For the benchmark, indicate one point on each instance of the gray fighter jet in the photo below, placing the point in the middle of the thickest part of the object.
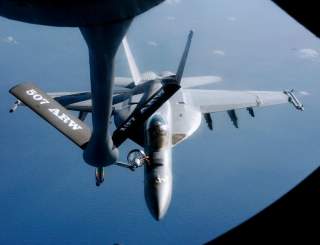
(156, 111)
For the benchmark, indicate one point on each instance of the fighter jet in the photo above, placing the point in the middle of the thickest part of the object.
(156, 111)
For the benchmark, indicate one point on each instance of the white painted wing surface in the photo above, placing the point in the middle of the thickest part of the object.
(135, 73)
(122, 81)
(189, 82)
(208, 101)
(81, 101)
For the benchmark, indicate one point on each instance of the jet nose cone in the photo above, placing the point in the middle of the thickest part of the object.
(160, 206)
(158, 199)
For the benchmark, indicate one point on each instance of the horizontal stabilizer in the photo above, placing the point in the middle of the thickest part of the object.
(53, 112)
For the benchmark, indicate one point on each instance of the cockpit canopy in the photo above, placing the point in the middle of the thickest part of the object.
(157, 132)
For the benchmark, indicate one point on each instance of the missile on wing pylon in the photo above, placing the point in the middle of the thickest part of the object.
(251, 111)
(208, 119)
(233, 116)
(15, 106)
(294, 100)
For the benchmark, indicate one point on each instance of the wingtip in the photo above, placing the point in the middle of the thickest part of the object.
(294, 100)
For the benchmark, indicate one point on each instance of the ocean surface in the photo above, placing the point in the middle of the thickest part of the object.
(221, 178)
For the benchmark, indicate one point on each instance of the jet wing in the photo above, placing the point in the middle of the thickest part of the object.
(119, 88)
(80, 95)
(81, 101)
(189, 82)
(123, 81)
(223, 100)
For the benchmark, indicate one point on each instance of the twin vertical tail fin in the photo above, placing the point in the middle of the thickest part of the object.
(144, 110)
(54, 113)
(135, 73)
(184, 57)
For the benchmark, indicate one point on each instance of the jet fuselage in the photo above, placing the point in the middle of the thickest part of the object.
(157, 137)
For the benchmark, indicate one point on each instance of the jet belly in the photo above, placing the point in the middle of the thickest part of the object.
(158, 170)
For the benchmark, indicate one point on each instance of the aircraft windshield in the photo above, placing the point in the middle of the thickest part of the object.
(158, 133)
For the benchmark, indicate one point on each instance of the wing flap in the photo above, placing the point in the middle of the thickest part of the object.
(53, 112)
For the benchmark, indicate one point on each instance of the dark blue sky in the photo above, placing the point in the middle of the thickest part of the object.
(221, 178)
